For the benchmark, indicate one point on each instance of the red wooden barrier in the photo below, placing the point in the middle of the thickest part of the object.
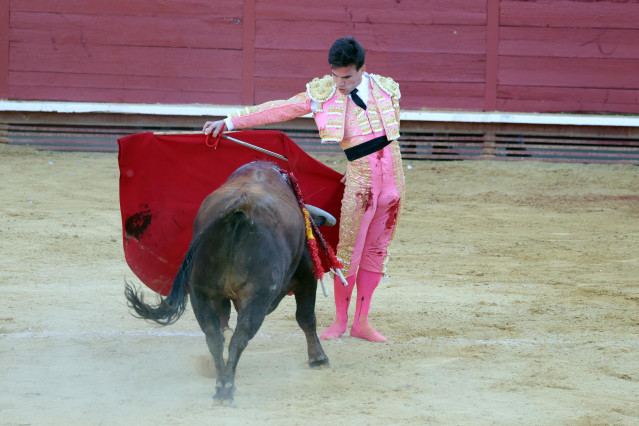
(569, 56)
(4, 49)
(478, 55)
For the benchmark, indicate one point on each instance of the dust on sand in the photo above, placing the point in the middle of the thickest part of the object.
(513, 298)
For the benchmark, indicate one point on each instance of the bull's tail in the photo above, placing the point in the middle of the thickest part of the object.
(168, 310)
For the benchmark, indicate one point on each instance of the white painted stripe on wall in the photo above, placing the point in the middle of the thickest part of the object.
(224, 110)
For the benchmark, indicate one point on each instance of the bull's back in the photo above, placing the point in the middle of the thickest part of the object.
(260, 191)
(251, 228)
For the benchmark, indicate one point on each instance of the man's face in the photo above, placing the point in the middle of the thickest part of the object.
(347, 78)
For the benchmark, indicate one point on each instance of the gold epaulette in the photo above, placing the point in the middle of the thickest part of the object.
(321, 89)
(388, 85)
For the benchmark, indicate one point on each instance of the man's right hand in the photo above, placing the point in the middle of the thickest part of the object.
(213, 127)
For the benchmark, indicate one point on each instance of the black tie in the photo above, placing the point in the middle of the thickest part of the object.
(358, 101)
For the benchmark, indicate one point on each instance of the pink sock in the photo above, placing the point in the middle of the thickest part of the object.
(366, 284)
(342, 300)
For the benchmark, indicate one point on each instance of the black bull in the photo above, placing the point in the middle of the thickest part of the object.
(248, 247)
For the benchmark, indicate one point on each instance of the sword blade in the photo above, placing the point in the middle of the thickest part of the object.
(256, 148)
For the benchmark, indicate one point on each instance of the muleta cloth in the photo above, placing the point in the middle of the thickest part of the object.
(165, 178)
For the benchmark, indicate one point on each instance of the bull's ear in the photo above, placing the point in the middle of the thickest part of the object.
(321, 217)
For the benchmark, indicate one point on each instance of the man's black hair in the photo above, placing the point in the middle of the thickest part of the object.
(346, 51)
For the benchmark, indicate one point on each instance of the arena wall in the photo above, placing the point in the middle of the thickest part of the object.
(471, 55)
(549, 80)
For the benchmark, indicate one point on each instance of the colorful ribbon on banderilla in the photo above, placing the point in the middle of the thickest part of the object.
(314, 238)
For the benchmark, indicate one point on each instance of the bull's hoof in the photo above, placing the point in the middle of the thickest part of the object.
(223, 402)
(224, 394)
(317, 363)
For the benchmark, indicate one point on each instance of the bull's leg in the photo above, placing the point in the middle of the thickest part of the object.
(305, 290)
(207, 313)
(249, 320)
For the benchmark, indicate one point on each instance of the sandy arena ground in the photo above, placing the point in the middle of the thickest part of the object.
(513, 299)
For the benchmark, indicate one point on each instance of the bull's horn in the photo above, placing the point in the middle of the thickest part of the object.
(321, 217)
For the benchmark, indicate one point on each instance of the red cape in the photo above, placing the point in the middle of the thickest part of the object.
(164, 178)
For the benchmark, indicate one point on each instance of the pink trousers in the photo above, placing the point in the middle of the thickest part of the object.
(377, 205)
